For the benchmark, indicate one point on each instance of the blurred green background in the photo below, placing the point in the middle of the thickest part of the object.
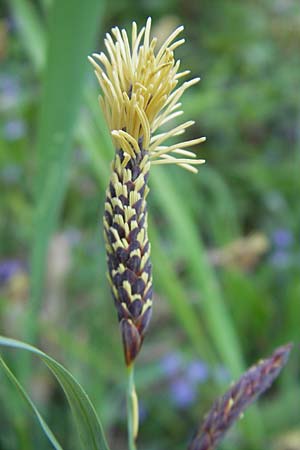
(225, 242)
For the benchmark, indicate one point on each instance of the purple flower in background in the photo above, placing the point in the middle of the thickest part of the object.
(171, 364)
(8, 269)
(8, 85)
(281, 257)
(9, 92)
(182, 393)
(142, 412)
(197, 372)
(14, 130)
(282, 238)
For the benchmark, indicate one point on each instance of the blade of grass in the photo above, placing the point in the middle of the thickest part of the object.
(30, 403)
(222, 219)
(14, 412)
(30, 29)
(71, 33)
(181, 308)
(212, 303)
(86, 419)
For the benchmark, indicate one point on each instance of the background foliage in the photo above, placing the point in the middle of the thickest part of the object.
(225, 242)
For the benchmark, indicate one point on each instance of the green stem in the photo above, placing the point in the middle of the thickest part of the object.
(132, 410)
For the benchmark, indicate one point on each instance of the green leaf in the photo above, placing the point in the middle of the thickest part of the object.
(177, 298)
(28, 400)
(31, 30)
(86, 419)
(72, 29)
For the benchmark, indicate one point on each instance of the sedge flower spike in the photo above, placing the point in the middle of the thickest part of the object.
(231, 406)
(140, 94)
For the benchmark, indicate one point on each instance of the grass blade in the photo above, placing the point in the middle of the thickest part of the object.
(30, 29)
(86, 419)
(30, 403)
(176, 295)
(219, 323)
(64, 74)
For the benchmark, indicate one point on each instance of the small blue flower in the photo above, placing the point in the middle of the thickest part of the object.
(143, 413)
(171, 364)
(8, 269)
(197, 372)
(14, 130)
(183, 393)
(282, 238)
(9, 92)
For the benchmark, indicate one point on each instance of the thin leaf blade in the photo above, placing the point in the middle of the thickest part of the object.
(72, 29)
(87, 422)
(30, 403)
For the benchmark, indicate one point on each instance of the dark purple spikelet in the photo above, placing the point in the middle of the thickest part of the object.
(128, 248)
(227, 409)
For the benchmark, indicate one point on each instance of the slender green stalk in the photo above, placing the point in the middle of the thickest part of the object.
(132, 410)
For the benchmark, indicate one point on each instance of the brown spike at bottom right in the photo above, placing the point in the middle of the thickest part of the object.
(228, 408)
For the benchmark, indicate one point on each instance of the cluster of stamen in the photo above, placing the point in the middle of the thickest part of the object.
(140, 95)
